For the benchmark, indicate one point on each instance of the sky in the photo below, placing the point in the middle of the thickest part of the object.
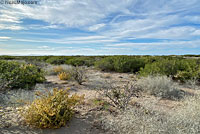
(100, 27)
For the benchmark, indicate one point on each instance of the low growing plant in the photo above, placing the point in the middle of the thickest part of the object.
(64, 76)
(160, 86)
(53, 110)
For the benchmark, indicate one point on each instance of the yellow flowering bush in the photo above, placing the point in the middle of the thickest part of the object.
(53, 110)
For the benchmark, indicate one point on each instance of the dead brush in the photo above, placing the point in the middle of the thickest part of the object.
(119, 96)
(78, 74)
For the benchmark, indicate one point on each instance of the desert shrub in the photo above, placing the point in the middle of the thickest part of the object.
(160, 86)
(119, 96)
(105, 64)
(18, 75)
(6, 57)
(53, 110)
(178, 69)
(122, 64)
(78, 74)
(125, 64)
(81, 61)
(56, 60)
(64, 76)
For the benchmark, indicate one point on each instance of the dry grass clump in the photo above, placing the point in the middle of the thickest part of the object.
(16, 97)
(55, 70)
(160, 86)
(136, 120)
(58, 69)
(64, 76)
(186, 119)
(53, 110)
(193, 84)
(144, 120)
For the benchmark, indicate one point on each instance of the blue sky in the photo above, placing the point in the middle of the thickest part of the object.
(101, 27)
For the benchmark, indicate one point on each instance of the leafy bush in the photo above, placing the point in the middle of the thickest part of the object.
(18, 75)
(160, 86)
(64, 76)
(121, 64)
(178, 69)
(81, 61)
(78, 74)
(56, 60)
(53, 110)
(125, 64)
(106, 64)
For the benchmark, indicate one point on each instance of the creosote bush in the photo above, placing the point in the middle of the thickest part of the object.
(160, 86)
(18, 75)
(53, 110)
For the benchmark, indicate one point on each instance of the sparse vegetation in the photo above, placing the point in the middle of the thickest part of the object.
(142, 94)
(143, 119)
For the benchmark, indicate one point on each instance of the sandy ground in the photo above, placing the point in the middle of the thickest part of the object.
(85, 120)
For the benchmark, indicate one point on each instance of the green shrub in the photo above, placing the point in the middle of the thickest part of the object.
(178, 69)
(122, 64)
(18, 75)
(105, 64)
(81, 61)
(53, 110)
(56, 60)
(125, 64)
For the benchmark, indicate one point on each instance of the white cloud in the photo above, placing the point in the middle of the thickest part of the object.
(5, 37)
(96, 27)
